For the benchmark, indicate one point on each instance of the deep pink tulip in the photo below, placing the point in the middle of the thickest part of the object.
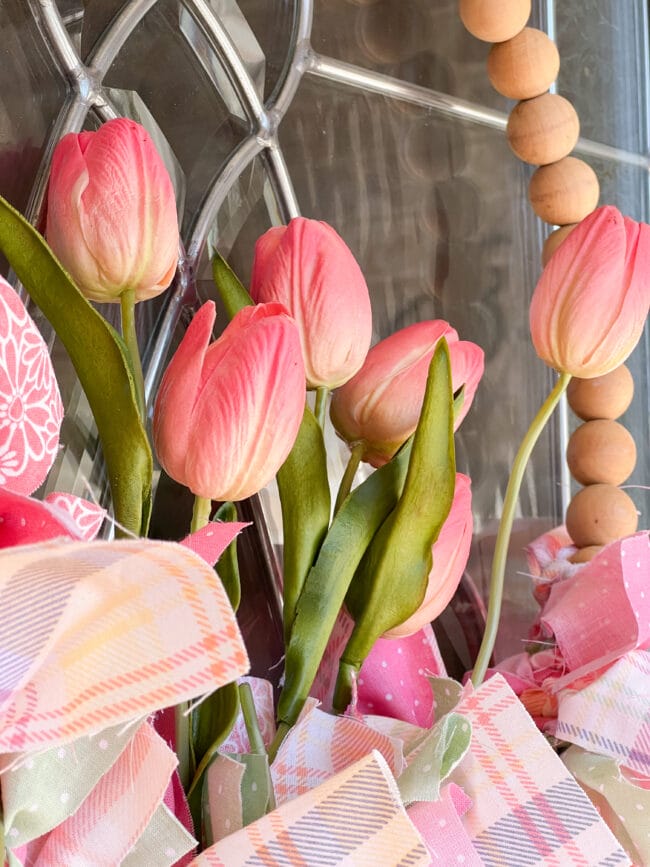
(309, 269)
(111, 212)
(381, 405)
(450, 555)
(227, 413)
(591, 303)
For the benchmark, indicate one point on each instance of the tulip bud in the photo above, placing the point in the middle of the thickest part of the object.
(111, 212)
(591, 302)
(227, 413)
(450, 554)
(309, 269)
(381, 404)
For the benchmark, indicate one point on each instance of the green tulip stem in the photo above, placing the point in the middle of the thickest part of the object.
(320, 406)
(127, 304)
(201, 513)
(505, 527)
(183, 720)
(348, 476)
(250, 719)
(281, 733)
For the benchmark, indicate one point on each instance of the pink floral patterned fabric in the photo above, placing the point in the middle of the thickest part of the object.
(88, 517)
(31, 411)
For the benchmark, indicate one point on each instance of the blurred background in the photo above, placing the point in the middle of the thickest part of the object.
(378, 117)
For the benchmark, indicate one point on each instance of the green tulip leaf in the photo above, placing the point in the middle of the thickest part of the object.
(228, 565)
(305, 500)
(99, 357)
(391, 580)
(212, 722)
(230, 288)
(327, 582)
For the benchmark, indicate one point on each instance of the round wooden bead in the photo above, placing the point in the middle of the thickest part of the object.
(564, 192)
(553, 242)
(601, 451)
(494, 20)
(524, 66)
(605, 396)
(600, 514)
(584, 555)
(543, 130)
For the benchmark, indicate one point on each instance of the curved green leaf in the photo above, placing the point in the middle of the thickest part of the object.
(230, 288)
(100, 360)
(305, 499)
(391, 580)
(228, 564)
(354, 526)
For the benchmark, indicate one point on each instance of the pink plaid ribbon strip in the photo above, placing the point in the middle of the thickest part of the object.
(354, 819)
(528, 810)
(93, 634)
(611, 716)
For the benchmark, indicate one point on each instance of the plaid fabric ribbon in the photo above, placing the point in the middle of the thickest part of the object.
(94, 634)
(528, 810)
(611, 715)
(355, 818)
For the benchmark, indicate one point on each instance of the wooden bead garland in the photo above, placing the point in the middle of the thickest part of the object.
(600, 514)
(607, 396)
(524, 66)
(554, 240)
(564, 192)
(494, 20)
(601, 451)
(542, 130)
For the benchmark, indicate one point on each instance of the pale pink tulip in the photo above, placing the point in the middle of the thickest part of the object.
(450, 555)
(227, 413)
(591, 303)
(380, 406)
(111, 212)
(309, 269)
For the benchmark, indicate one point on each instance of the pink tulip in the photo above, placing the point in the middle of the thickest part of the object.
(450, 555)
(227, 413)
(380, 406)
(590, 305)
(111, 212)
(307, 267)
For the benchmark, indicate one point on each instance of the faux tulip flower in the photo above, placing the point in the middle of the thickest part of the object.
(111, 212)
(228, 412)
(307, 267)
(378, 409)
(450, 554)
(591, 303)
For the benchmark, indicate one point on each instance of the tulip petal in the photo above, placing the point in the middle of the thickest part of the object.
(172, 420)
(591, 302)
(310, 270)
(467, 366)
(381, 404)
(248, 413)
(112, 212)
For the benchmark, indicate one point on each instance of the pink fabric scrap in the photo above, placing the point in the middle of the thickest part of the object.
(439, 823)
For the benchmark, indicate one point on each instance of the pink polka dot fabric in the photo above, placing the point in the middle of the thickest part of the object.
(31, 411)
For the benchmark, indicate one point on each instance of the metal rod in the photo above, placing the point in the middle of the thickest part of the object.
(297, 63)
(374, 82)
(237, 162)
(232, 63)
(118, 31)
(48, 16)
(281, 182)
